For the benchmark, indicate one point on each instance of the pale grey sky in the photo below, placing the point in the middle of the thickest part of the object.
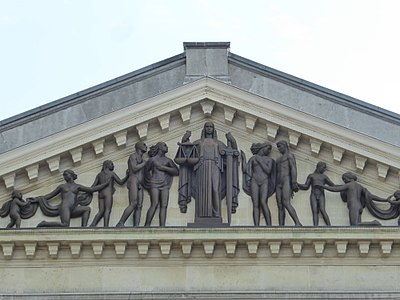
(54, 48)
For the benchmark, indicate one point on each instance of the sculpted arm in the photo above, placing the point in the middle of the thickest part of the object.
(96, 181)
(293, 168)
(134, 166)
(170, 168)
(119, 180)
(92, 189)
(328, 181)
(20, 202)
(336, 188)
(266, 166)
(53, 193)
(306, 185)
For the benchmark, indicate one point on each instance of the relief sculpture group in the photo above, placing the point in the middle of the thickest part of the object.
(208, 172)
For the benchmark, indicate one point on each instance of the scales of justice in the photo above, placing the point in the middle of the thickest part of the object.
(208, 173)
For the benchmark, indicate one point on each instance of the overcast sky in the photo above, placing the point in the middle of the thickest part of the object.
(53, 48)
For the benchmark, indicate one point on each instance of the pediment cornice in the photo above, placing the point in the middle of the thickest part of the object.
(208, 92)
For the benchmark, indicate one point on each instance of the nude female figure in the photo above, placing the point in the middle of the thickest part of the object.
(259, 180)
(70, 206)
(159, 172)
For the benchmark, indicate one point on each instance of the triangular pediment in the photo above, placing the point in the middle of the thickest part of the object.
(250, 118)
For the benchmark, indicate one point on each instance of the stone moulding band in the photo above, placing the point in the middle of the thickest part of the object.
(209, 295)
(176, 242)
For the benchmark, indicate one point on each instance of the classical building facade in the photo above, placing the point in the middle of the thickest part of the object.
(159, 103)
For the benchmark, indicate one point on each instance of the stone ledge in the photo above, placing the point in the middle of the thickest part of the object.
(209, 295)
(272, 242)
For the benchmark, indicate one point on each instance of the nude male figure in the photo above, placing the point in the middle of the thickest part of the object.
(286, 183)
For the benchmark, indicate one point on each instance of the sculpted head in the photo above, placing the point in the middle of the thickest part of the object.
(108, 164)
(348, 177)
(160, 147)
(261, 148)
(321, 167)
(69, 174)
(140, 146)
(209, 130)
(282, 146)
(16, 194)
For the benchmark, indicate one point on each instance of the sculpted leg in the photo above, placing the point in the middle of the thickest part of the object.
(163, 207)
(264, 204)
(107, 211)
(138, 211)
(354, 216)
(132, 194)
(154, 196)
(81, 211)
(65, 217)
(100, 213)
(256, 203)
(314, 209)
(281, 209)
(12, 223)
(323, 211)
(286, 195)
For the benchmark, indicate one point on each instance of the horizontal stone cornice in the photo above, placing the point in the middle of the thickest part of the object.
(179, 241)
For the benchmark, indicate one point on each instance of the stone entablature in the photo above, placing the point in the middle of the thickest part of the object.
(182, 242)
(218, 263)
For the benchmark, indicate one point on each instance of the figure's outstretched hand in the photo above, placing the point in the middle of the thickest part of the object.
(295, 187)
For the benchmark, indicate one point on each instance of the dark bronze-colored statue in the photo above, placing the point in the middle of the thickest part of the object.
(107, 175)
(259, 175)
(136, 165)
(73, 202)
(210, 173)
(395, 207)
(356, 196)
(158, 175)
(186, 157)
(286, 183)
(17, 208)
(385, 214)
(317, 196)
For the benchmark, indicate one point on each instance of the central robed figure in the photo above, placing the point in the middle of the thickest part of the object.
(208, 173)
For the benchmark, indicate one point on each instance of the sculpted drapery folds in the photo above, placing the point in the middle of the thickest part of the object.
(17, 208)
(74, 201)
(205, 177)
(158, 174)
(357, 197)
